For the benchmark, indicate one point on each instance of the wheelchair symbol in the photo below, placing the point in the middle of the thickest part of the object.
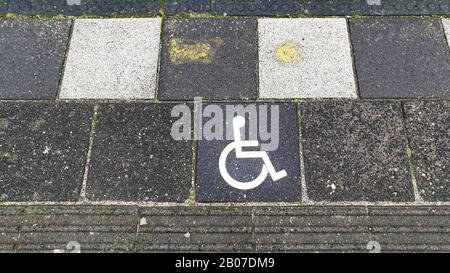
(267, 168)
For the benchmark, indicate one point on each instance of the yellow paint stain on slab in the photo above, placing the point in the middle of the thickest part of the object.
(288, 52)
(183, 51)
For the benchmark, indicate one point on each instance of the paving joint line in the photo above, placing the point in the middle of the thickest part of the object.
(139, 217)
(353, 57)
(193, 15)
(257, 45)
(367, 211)
(82, 197)
(192, 192)
(161, 7)
(192, 199)
(253, 227)
(66, 54)
(235, 101)
(305, 198)
(341, 204)
(19, 231)
(159, 60)
(410, 155)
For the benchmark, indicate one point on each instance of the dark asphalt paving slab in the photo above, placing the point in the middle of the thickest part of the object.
(428, 124)
(401, 57)
(32, 57)
(135, 158)
(355, 151)
(43, 150)
(210, 183)
(210, 58)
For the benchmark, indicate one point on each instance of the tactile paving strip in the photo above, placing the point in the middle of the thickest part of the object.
(290, 229)
(228, 7)
(309, 7)
(80, 7)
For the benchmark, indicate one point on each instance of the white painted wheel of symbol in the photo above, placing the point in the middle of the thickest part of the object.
(374, 2)
(373, 247)
(73, 2)
(230, 180)
(237, 144)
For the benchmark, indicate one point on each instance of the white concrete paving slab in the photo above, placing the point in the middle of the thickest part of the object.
(305, 58)
(446, 23)
(112, 59)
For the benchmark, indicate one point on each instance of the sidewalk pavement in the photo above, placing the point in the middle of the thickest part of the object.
(365, 116)
(86, 117)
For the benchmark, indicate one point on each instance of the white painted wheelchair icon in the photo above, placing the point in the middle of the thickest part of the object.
(267, 168)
